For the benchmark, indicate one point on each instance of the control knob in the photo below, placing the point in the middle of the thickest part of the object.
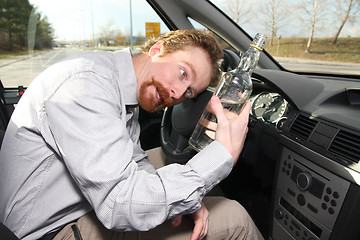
(304, 180)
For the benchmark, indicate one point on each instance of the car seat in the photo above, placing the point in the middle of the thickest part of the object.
(3, 117)
(6, 233)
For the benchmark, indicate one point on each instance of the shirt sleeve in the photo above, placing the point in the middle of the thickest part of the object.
(88, 126)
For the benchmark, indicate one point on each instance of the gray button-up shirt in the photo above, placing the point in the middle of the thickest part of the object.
(71, 147)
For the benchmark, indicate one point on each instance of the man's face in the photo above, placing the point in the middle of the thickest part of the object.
(174, 77)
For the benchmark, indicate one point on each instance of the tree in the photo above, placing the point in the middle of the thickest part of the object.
(17, 16)
(275, 12)
(348, 6)
(315, 13)
(108, 33)
(44, 34)
(308, 46)
(239, 10)
(13, 21)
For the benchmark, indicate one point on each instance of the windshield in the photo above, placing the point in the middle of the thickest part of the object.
(304, 35)
(35, 34)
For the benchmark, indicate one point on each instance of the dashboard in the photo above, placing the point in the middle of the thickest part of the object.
(314, 123)
(314, 114)
(315, 111)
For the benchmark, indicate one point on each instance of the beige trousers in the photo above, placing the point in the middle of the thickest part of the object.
(227, 220)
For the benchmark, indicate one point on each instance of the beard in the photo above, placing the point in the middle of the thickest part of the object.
(152, 104)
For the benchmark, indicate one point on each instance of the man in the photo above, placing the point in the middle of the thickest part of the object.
(71, 162)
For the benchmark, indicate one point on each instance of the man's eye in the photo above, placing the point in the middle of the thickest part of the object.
(189, 93)
(183, 73)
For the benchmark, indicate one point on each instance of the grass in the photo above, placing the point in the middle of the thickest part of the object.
(7, 54)
(345, 50)
(15, 52)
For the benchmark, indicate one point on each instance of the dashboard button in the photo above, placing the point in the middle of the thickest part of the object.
(279, 214)
(301, 200)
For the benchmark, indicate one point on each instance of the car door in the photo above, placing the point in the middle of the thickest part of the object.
(8, 99)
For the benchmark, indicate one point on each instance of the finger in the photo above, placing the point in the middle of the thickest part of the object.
(206, 228)
(245, 112)
(217, 109)
(246, 109)
(176, 221)
(210, 134)
(197, 231)
(206, 222)
(243, 119)
(203, 230)
(208, 124)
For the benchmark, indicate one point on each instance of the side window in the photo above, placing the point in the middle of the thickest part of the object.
(199, 26)
(224, 65)
(44, 32)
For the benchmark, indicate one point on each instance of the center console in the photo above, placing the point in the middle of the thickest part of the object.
(307, 199)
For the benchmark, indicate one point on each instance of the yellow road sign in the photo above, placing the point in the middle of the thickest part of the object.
(152, 29)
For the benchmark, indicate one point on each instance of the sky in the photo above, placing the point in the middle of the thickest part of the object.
(79, 19)
(76, 19)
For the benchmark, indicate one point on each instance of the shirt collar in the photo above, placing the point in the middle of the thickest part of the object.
(127, 78)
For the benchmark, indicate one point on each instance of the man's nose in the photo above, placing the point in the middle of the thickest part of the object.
(177, 92)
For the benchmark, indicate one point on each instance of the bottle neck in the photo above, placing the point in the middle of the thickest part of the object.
(250, 59)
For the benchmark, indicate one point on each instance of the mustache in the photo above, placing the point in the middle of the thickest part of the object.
(153, 105)
(163, 93)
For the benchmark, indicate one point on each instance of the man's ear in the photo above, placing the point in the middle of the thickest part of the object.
(156, 49)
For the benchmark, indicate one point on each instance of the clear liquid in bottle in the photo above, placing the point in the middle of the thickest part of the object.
(233, 91)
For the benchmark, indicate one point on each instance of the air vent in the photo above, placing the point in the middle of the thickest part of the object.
(346, 144)
(303, 126)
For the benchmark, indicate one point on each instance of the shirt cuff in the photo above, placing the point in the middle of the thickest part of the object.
(213, 164)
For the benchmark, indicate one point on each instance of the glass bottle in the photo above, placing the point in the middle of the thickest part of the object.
(233, 91)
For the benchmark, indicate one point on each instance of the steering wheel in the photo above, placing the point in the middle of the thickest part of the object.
(179, 121)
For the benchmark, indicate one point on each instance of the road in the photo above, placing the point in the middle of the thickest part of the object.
(22, 70)
(319, 66)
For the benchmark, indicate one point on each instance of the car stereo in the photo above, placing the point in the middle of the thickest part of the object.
(308, 199)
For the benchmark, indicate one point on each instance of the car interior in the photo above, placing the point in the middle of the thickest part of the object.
(5, 114)
(298, 175)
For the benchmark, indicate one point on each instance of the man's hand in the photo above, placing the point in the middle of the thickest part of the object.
(231, 133)
(201, 221)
